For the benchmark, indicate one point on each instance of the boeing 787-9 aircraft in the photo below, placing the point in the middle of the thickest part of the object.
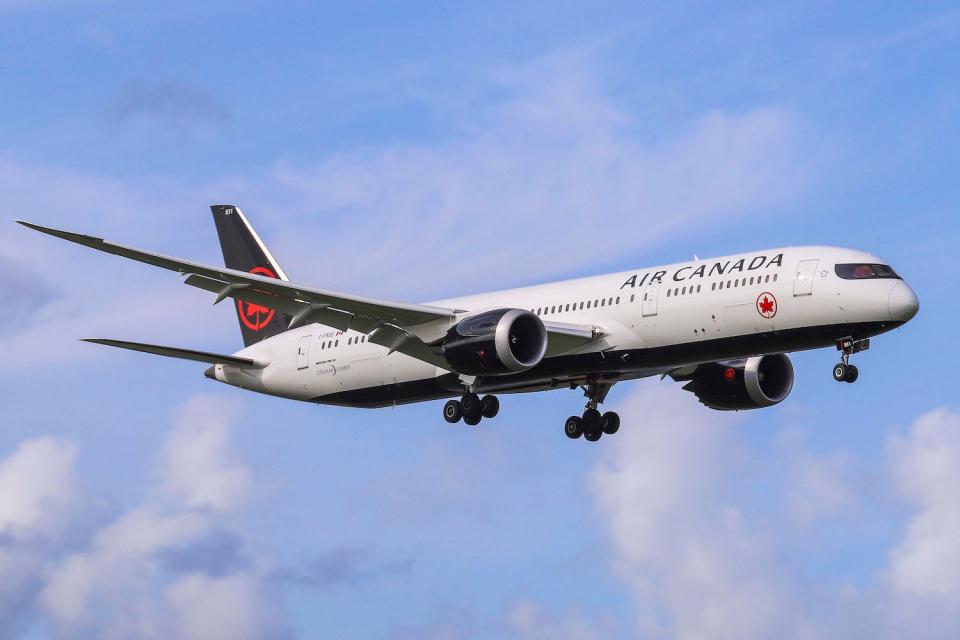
(721, 325)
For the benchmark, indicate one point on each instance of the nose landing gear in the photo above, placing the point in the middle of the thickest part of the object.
(843, 371)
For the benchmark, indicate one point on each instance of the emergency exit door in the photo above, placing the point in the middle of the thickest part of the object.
(803, 280)
(650, 295)
(303, 353)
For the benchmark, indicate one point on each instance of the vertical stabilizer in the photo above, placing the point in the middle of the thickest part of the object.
(245, 251)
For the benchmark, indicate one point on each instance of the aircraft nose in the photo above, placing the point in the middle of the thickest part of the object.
(902, 303)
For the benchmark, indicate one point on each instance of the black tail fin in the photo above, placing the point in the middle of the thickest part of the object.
(244, 250)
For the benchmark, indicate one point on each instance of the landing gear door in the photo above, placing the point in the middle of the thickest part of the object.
(650, 295)
(303, 353)
(803, 279)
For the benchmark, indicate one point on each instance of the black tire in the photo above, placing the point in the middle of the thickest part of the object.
(610, 423)
(840, 372)
(489, 406)
(452, 411)
(592, 437)
(573, 427)
(592, 422)
(852, 373)
(470, 404)
(471, 420)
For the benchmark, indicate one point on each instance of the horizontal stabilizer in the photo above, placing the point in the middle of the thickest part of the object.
(184, 354)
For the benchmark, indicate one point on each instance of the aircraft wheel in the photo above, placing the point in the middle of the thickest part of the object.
(573, 427)
(840, 372)
(593, 436)
(592, 424)
(610, 423)
(472, 420)
(852, 373)
(470, 404)
(489, 406)
(452, 411)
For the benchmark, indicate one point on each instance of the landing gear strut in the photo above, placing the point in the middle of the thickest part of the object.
(592, 424)
(471, 408)
(843, 371)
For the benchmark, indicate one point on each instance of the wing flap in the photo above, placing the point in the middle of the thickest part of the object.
(183, 354)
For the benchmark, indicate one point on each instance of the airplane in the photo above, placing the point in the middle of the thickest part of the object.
(722, 326)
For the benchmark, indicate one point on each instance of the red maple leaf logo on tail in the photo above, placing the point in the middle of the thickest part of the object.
(256, 316)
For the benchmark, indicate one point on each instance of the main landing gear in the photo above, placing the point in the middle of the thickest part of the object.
(471, 408)
(592, 424)
(843, 371)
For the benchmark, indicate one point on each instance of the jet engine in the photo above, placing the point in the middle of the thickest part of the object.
(498, 342)
(750, 383)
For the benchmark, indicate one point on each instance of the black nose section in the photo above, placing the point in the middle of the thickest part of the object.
(210, 372)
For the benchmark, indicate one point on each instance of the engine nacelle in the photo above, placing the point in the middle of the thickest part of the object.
(750, 383)
(496, 342)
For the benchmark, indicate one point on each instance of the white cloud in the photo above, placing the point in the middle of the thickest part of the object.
(122, 583)
(38, 489)
(40, 504)
(926, 471)
(695, 565)
(230, 607)
(198, 467)
(818, 486)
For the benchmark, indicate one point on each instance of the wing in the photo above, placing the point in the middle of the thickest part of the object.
(399, 326)
(565, 337)
(406, 328)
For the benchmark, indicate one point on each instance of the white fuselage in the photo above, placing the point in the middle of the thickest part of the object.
(653, 320)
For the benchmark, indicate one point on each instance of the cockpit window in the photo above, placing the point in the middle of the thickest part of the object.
(865, 271)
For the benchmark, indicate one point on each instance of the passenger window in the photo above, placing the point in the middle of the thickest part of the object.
(668, 294)
(596, 303)
(774, 277)
(683, 291)
(736, 283)
(603, 303)
(581, 305)
(713, 286)
(632, 297)
(618, 299)
(698, 288)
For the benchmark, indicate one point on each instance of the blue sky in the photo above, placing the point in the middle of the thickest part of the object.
(418, 152)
